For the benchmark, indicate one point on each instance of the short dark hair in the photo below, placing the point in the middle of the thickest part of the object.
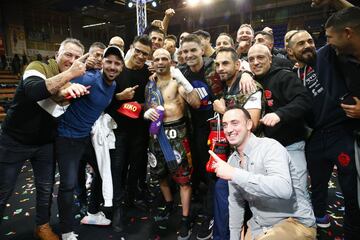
(151, 29)
(143, 39)
(191, 38)
(266, 34)
(97, 44)
(172, 37)
(238, 106)
(228, 35)
(202, 33)
(348, 17)
(232, 51)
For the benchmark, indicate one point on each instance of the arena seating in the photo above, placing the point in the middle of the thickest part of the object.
(8, 84)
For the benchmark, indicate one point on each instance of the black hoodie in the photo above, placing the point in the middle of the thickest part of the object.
(288, 98)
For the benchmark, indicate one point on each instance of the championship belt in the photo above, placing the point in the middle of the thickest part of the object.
(153, 99)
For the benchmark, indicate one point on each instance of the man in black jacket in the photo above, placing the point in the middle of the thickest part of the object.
(129, 155)
(29, 128)
(287, 102)
(331, 141)
(200, 72)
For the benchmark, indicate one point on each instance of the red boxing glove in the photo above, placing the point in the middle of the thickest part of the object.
(221, 149)
(213, 135)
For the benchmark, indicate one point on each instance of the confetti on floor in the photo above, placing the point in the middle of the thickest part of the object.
(19, 218)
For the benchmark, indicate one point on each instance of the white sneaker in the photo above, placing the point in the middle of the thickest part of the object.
(89, 179)
(96, 219)
(69, 236)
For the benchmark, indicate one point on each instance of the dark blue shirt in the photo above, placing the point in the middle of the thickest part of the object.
(82, 113)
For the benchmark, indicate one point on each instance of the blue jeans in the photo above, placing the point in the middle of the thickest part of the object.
(221, 210)
(12, 157)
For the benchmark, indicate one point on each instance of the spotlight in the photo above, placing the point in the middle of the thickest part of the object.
(193, 2)
(154, 4)
(129, 3)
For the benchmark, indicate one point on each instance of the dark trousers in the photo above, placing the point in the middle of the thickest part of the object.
(324, 149)
(96, 197)
(128, 158)
(200, 156)
(80, 189)
(12, 157)
(69, 152)
(221, 210)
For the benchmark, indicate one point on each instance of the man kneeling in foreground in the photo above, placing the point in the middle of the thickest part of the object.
(260, 172)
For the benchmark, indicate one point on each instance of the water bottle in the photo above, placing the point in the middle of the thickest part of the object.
(155, 126)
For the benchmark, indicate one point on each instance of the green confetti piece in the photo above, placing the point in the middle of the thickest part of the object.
(17, 211)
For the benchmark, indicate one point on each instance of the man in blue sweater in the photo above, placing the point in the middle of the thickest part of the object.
(74, 130)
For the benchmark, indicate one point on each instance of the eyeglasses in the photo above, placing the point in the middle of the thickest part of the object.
(138, 52)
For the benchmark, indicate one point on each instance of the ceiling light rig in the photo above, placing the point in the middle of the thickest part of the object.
(140, 6)
(194, 3)
(132, 3)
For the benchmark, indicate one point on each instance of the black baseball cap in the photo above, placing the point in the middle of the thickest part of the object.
(115, 51)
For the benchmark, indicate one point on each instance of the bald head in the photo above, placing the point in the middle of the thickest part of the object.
(260, 59)
(117, 41)
(257, 48)
(161, 62)
(162, 51)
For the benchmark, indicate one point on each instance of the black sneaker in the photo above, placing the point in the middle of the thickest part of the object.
(206, 229)
(185, 229)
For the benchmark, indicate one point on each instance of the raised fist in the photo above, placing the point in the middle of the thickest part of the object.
(170, 12)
